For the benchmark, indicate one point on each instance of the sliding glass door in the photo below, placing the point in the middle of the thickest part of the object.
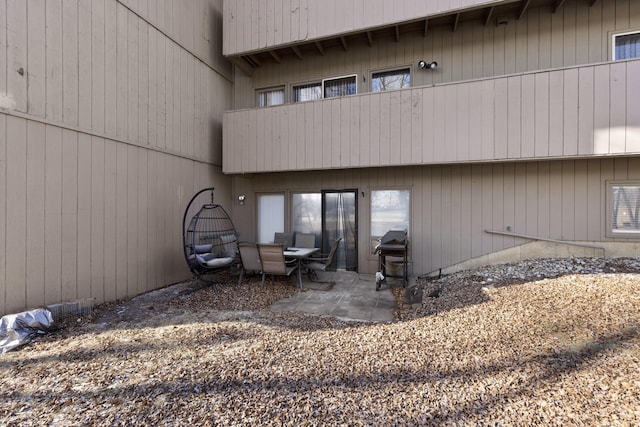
(339, 219)
(329, 215)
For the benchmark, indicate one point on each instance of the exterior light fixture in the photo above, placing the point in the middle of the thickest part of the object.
(427, 65)
(241, 199)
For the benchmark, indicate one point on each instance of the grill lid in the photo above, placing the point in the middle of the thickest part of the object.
(393, 240)
(394, 237)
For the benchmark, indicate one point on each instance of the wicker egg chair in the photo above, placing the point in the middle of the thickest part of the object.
(210, 238)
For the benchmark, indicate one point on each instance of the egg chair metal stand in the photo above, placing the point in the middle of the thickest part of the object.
(210, 238)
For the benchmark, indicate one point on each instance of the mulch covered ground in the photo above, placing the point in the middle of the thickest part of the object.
(545, 351)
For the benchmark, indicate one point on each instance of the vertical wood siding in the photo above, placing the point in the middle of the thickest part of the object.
(99, 67)
(291, 21)
(524, 116)
(86, 216)
(453, 205)
(576, 34)
(195, 25)
(113, 125)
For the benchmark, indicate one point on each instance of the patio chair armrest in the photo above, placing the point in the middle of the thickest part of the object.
(315, 259)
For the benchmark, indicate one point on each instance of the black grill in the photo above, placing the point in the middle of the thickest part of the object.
(393, 244)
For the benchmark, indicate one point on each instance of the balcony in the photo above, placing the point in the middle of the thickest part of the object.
(255, 33)
(571, 112)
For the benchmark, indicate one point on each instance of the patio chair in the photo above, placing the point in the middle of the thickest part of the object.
(313, 265)
(284, 239)
(305, 240)
(249, 260)
(273, 262)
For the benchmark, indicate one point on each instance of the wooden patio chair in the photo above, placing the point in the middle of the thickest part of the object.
(272, 261)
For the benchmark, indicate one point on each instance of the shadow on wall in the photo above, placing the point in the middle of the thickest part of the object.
(213, 22)
(215, 143)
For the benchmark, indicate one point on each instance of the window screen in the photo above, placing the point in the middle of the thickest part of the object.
(307, 92)
(626, 46)
(339, 87)
(267, 97)
(624, 209)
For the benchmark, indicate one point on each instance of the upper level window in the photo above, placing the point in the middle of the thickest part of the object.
(626, 46)
(390, 80)
(307, 92)
(623, 209)
(339, 87)
(271, 96)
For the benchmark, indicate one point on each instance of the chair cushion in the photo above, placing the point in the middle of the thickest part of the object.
(204, 258)
(229, 253)
(211, 261)
(202, 249)
(219, 262)
(228, 242)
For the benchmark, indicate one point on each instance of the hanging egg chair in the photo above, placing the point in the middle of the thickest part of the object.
(210, 239)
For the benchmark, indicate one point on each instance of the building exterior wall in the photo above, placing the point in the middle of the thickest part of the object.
(518, 129)
(541, 86)
(283, 22)
(581, 111)
(452, 206)
(576, 34)
(110, 119)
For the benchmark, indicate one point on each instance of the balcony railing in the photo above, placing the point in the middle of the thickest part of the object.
(563, 113)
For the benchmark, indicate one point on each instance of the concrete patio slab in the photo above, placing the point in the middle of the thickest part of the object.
(342, 294)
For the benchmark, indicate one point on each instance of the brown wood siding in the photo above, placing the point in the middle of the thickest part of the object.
(195, 25)
(284, 22)
(112, 239)
(86, 216)
(453, 205)
(114, 124)
(576, 34)
(528, 116)
(121, 78)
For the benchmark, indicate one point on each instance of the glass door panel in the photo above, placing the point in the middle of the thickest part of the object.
(339, 219)
(306, 214)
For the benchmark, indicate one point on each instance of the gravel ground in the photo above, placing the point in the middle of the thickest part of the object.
(545, 342)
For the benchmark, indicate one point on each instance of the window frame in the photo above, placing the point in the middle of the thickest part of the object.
(611, 233)
(268, 236)
(612, 45)
(355, 79)
(373, 241)
(389, 70)
(293, 87)
(258, 91)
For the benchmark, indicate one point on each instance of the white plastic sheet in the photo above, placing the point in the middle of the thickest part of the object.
(18, 329)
